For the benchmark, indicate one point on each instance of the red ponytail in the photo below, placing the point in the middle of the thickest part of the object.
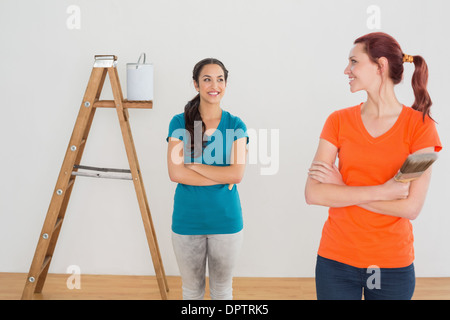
(379, 44)
(419, 83)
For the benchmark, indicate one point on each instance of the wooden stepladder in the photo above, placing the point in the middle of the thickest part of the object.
(70, 169)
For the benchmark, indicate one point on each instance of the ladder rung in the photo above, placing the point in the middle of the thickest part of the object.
(102, 169)
(125, 104)
(107, 173)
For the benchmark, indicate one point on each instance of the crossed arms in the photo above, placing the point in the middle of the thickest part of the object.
(205, 175)
(325, 187)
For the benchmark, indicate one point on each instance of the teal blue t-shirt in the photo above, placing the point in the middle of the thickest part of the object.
(208, 209)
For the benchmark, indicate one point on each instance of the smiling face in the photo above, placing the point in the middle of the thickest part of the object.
(211, 84)
(363, 73)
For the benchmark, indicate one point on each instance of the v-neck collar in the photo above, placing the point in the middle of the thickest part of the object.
(384, 135)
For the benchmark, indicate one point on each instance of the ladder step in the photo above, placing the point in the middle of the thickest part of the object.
(102, 169)
(103, 175)
(125, 104)
(107, 173)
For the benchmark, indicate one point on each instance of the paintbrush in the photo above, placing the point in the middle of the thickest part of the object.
(415, 165)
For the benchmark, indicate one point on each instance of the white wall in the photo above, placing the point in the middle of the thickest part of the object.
(286, 60)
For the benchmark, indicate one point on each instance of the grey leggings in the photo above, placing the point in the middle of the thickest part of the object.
(192, 252)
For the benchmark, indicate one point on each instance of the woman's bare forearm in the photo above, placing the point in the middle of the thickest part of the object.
(334, 195)
(190, 177)
(222, 174)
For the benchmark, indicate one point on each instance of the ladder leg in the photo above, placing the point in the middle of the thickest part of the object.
(138, 183)
(153, 233)
(61, 195)
(53, 238)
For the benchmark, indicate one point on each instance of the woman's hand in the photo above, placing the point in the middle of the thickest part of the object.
(325, 173)
(395, 190)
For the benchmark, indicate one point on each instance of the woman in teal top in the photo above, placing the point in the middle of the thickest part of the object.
(206, 157)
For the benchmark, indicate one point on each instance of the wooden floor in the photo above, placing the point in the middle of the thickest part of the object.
(115, 287)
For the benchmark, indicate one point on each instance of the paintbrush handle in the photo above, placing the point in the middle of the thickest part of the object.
(407, 177)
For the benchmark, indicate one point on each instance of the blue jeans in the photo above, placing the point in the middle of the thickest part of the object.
(340, 281)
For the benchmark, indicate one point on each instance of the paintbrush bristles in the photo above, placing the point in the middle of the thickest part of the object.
(414, 166)
(418, 162)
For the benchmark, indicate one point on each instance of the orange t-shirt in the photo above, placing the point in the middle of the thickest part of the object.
(353, 235)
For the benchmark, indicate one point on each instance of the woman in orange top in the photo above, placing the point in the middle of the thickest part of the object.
(367, 240)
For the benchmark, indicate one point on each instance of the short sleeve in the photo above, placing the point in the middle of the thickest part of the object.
(425, 135)
(240, 130)
(330, 130)
(177, 128)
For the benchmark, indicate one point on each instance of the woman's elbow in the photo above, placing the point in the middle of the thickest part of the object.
(236, 179)
(414, 212)
(413, 216)
(309, 197)
(173, 176)
(412, 209)
(237, 175)
(310, 193)
(311, 201)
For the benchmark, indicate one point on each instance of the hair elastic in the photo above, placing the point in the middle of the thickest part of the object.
(408, 58)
